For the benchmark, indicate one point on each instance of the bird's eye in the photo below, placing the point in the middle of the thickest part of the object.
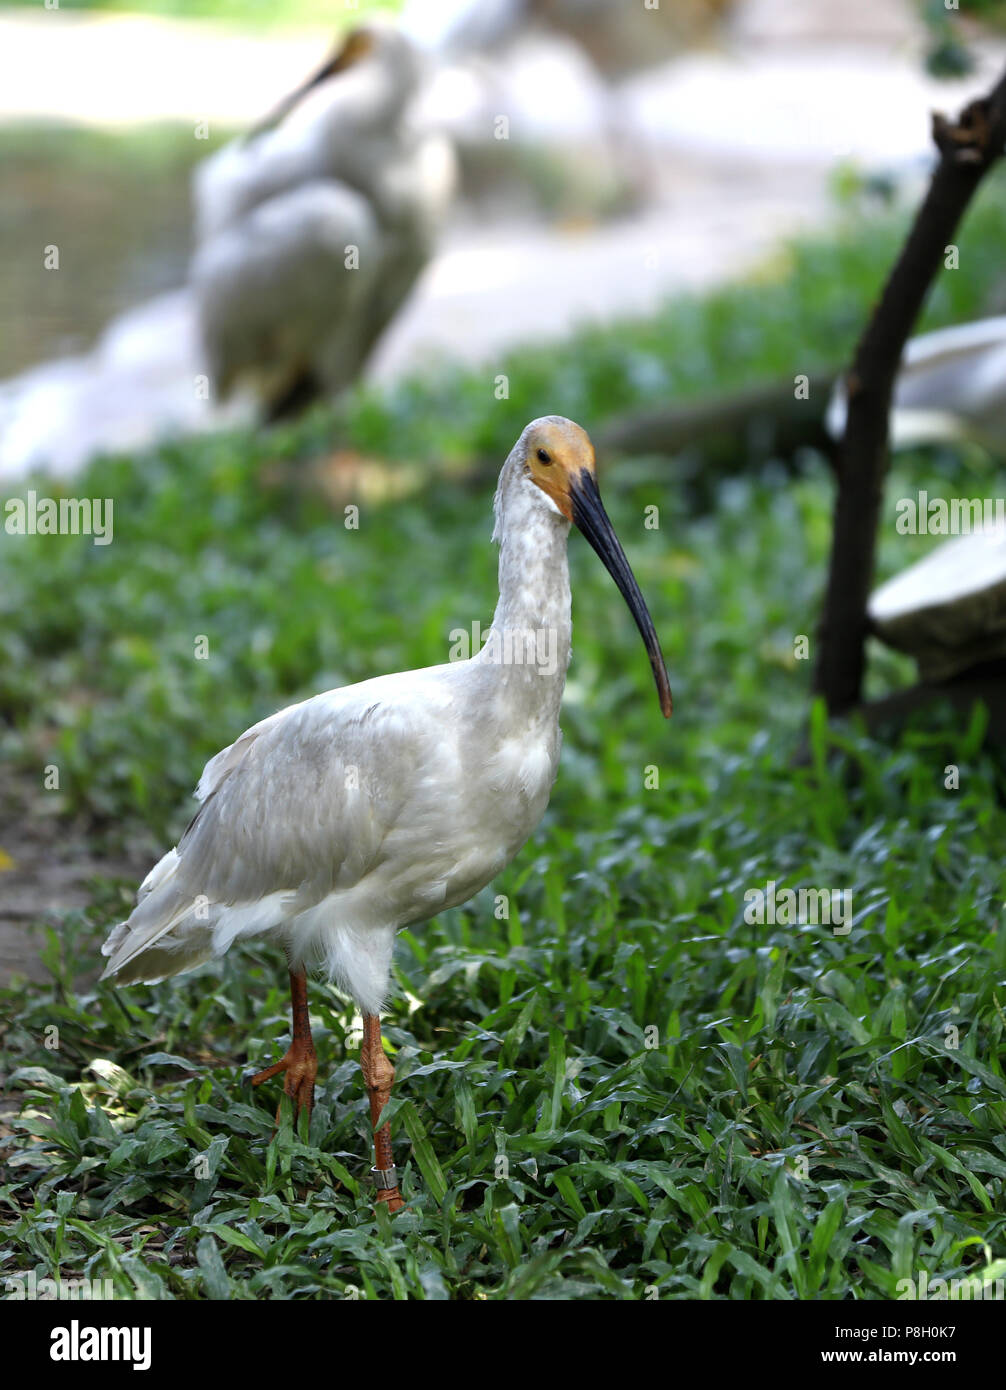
(544, 456)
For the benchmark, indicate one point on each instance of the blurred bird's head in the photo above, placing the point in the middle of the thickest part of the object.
(358, 44)
(378, 43)
(555, 457)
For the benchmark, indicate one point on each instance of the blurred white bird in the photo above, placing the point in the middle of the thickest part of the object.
(340, 820)
(312, 231)
(621, 36)
(951, 385)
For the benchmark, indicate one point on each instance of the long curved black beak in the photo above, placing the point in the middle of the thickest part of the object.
(594, 523)
(283, 109)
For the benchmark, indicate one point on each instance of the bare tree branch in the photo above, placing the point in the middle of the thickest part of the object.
(968, 149)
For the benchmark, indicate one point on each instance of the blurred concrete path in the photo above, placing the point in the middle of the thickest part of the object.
(109, 69)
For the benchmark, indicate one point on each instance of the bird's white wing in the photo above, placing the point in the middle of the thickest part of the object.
(299, 806)
(285, 281)
(241, 175)
(218, 190)
(302, 802)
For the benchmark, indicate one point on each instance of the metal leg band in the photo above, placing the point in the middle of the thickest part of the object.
(385, 1177)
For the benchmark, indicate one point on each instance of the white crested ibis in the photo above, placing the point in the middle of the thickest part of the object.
(340, 820)
(313, 229)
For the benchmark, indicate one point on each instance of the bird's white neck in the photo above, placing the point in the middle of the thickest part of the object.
(529, 641)
(372, 99)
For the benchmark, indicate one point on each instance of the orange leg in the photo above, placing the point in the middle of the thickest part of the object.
(300, 1063)
(378, 1074)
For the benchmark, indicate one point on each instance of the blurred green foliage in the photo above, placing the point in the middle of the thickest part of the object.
(951, 51)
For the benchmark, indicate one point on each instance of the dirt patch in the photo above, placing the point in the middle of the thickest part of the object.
(46, 868)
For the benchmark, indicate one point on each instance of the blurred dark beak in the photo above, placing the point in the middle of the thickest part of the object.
(280, 112)
(593, 521)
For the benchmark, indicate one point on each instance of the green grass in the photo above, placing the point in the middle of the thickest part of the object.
(623, 1087)
(651, 1070)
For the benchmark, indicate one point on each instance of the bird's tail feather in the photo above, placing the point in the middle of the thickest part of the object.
(142, 947)
(148, 951)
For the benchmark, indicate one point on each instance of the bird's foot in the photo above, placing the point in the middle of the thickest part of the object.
(301, 1067)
